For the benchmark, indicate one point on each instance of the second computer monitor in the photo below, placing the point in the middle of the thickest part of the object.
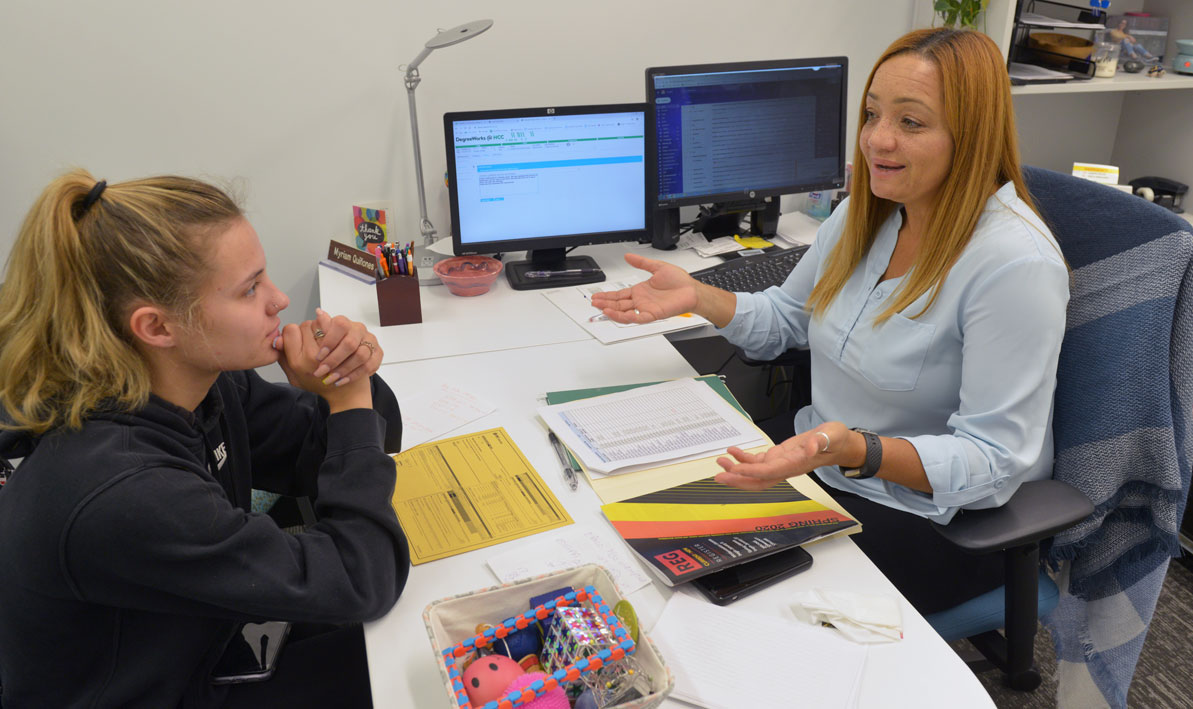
(545, 180)
(741, 134)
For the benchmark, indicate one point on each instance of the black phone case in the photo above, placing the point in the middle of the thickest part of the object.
(252, 653)
(736, 582)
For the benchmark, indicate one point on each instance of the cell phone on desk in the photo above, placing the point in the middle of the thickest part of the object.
(739, 581)
(252, 653)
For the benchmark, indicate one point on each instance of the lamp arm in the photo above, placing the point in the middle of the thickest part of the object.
(412, 67)
(412, 79)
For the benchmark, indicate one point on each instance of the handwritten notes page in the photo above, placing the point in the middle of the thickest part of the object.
(568, 548)
(789, 663)
(432, 413)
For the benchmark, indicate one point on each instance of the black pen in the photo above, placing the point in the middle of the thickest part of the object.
(563, 272)
(568, 473)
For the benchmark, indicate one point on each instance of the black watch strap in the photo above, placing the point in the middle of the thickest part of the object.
(873, 457)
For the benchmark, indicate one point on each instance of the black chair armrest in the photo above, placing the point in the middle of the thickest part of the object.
(1036, 511)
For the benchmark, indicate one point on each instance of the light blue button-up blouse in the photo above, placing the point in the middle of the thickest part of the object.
(969, 383)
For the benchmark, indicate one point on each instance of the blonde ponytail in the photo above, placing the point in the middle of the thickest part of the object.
(73, 275)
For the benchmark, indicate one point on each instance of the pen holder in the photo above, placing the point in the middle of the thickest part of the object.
(398, 301)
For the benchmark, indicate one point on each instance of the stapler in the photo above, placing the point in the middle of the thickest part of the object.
(1160, 190)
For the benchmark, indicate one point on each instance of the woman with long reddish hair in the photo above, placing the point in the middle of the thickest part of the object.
(933, 304)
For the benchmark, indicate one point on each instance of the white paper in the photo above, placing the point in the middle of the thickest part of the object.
(430, 414)
(576, 303)
(1031, 72)
(1035, 19)
(796, 229)
(706, 248)
(783, 663)
(567, 548)
(648, 425)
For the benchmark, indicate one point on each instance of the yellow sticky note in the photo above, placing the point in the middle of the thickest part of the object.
(751, 242)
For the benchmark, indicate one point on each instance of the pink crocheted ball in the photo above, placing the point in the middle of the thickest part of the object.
(485, 677)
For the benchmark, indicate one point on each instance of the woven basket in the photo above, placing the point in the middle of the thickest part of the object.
(451, 620)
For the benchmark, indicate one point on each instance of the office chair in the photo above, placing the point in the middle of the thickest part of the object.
(1091, 223)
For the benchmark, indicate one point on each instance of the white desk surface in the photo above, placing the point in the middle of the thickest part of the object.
(501, 319)
(919, 671)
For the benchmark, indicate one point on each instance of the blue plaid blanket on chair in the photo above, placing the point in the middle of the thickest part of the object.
(1122, 424)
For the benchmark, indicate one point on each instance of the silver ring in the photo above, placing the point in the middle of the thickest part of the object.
(319, 334)
(827, 442)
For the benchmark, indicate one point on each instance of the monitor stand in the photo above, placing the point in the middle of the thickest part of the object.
(725, 217)
(583, 270)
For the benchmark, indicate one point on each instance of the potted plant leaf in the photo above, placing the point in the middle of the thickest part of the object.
(960, 13)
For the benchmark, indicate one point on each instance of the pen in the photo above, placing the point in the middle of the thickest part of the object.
(568, 473)
(563, 272)
(598, 317)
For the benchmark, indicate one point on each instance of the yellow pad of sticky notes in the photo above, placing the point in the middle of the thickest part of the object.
(752, 242)
(470, 492)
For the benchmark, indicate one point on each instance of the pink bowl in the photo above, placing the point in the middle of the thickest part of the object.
(468, 275)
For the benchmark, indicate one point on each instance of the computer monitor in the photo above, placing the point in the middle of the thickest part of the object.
(546, 180)
(739, 135)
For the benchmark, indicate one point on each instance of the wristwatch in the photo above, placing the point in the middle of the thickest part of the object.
(873, 457)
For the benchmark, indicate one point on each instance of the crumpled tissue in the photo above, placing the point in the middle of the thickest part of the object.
(861, 617)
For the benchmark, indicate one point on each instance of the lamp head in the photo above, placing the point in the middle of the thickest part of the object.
(458, 34)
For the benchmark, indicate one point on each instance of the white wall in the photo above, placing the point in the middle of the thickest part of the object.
(302, 105)
(1056, 130)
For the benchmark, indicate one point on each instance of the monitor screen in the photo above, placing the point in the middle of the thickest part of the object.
(745, 131)
(545, 180)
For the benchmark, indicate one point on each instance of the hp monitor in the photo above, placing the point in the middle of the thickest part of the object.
(546, 180)
(738, 136)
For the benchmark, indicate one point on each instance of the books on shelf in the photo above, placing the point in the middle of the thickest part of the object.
(698, 528)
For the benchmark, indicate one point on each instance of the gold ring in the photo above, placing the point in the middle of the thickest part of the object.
(824, 448)
(319, 334)
(371, 346)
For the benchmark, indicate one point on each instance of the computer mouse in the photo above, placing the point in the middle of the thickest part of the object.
(1132, 66)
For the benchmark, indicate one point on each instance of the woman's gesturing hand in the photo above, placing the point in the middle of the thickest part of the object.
(797, 455)
(669, 291)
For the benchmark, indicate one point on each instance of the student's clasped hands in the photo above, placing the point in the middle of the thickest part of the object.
(328, 353)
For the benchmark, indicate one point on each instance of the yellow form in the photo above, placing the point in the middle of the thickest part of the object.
(470, 492)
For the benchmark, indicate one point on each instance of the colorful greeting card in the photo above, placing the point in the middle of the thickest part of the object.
(369, 225)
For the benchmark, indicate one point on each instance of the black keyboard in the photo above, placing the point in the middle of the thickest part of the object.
(751, 274)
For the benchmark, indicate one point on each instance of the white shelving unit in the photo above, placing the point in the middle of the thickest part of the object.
(1134, 121)
(1119, 82)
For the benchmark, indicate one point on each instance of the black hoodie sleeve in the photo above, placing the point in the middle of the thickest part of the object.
(287, 430)
(166, 539)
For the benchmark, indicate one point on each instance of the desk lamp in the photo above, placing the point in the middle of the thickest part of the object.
(424, 257)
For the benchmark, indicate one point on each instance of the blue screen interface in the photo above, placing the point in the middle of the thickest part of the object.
(732, 132)
(543, 176)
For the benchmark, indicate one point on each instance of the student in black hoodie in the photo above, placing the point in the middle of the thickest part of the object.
(131, 318)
